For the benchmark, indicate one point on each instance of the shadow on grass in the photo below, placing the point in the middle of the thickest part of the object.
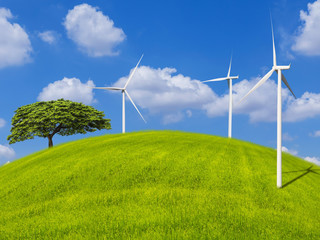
(304, 172)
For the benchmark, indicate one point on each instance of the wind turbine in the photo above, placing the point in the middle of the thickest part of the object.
(229, 78)
(278, 69)
(125, 92)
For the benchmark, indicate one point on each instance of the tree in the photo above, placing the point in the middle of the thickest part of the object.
(63, 117)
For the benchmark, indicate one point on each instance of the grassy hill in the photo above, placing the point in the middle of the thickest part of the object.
(158, 185)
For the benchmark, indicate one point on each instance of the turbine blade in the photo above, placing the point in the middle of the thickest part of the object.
(135, 106)
(274, 48)
(229, 83)
(230, 67)
(265, 78)
(217, 79)
(287, 84)
(131, 75)
(108, 88)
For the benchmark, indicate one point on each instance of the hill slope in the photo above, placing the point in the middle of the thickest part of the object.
(158, 185)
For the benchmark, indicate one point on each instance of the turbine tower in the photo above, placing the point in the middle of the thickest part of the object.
(125, 92)
(229, 78)
(278, 69)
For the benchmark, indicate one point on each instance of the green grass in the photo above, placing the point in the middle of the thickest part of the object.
(158, 185)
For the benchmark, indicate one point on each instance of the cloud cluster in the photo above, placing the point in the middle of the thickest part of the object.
(48, 36)
(314, 160)
(174, 96)
(15, 46)
(93, 32)
(315, 134)
(164, 92)
(260, 105)
(307, 106)
(6, 152)
(308, 38)
(70, 89)
(291, 151)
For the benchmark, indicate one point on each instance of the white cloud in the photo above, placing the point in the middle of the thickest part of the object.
(174, 95)
(315, 134)
(162, 92)
(308, 106)
(70, 89)
(313, 160)
(291, 151)
(15, 46)
(260, 105)
(6, 152)
(93, 32)
(308, 38)
(48, 36)
(2, 122)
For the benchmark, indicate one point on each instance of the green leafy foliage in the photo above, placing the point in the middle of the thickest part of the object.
(159, 185)
(63, 117)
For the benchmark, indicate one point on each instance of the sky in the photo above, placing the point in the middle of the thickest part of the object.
(60, 49)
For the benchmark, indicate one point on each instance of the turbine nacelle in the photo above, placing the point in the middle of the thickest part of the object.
(275, 68)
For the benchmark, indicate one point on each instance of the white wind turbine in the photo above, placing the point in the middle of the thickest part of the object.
(125, 92)
(278, 69)
(229, 78)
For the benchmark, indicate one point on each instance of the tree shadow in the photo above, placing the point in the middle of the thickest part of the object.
(304, 172)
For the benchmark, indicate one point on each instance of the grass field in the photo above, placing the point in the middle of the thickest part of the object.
(158, 185)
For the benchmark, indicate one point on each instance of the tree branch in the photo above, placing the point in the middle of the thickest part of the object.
(57, 129)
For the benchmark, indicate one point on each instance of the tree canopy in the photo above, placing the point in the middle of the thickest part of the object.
(62, 117)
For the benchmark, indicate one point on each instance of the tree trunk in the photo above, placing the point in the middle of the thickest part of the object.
(50, 141)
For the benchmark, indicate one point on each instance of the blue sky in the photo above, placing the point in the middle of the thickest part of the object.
(54, 49)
